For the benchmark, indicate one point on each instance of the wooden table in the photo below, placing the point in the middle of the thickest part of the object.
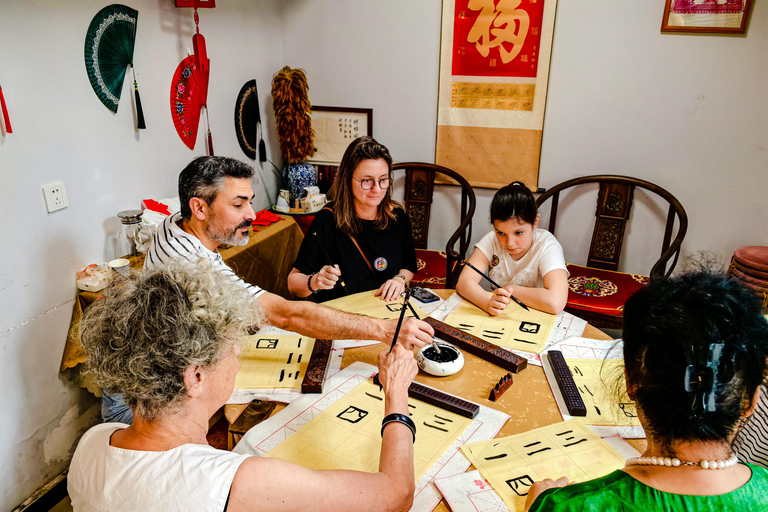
(529, 401)
(264, 262)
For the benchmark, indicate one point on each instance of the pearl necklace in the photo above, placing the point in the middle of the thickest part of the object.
(675, 462)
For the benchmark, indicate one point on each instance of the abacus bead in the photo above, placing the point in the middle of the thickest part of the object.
(704, 464)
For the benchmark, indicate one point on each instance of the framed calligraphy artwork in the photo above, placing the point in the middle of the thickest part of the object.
(713, 16)
(335, 128)
(494, 69)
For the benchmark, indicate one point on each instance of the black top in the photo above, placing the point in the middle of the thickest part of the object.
(386, 251)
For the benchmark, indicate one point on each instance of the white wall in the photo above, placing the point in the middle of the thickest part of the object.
(687, 112)
(62, 132)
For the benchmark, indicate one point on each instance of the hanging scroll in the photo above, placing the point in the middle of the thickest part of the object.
(494, 68)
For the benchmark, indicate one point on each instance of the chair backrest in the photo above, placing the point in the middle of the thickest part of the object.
(419, 187)
(614, 202)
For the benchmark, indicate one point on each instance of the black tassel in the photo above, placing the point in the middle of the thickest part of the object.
(210, 143)
(139, 111)
(262, 151)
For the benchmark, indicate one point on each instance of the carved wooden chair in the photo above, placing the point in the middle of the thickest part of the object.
(597, 291)
(437, 269)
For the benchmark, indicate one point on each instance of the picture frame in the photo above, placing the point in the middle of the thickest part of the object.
(706, 16)
(335, 128)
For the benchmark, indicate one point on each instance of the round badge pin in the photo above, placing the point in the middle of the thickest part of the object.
(380, 263)
(494, 260)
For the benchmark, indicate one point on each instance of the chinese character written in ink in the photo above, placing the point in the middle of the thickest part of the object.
(352, 414)
(510, 26)
(520, 484)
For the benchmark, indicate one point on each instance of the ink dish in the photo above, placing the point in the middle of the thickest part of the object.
(447, 361)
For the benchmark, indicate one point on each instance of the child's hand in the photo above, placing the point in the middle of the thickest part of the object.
(498, 302)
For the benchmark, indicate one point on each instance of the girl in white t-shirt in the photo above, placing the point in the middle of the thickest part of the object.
(527, 262)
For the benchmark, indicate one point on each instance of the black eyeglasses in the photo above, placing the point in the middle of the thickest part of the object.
(367, 183)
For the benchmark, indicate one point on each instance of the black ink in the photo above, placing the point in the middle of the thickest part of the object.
(516, 483)
(282, 375)
(352, 414)
(492, 332)
(598, 411)
(588, 391)
(532, 444)
(267, 343)
(446, 354)
(290, 356)
(628, 408)
(444, 419)
(530, 327)
(539, 451)
(565, 432)
(299, 359)
(374, 396)
(500, 456)
(524, 341)
(577, 442)
(434, 427)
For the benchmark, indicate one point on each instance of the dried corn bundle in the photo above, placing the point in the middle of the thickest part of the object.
(294, 125)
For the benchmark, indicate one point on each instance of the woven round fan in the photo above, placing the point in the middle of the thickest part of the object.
(189, 90)
(109, 45)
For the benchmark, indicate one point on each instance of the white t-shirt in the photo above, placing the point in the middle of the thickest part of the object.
(103, 478)
(172, 242)
(545, 255)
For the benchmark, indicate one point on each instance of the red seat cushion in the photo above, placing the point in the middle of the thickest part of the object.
(431, 269)
(601, 291)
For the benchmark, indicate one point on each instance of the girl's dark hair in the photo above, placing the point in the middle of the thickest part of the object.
(514, 201)
(362, 148)
(669, 325)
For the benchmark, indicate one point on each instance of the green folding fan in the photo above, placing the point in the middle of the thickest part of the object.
(109, 46)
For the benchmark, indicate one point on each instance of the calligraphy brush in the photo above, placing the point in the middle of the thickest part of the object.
(330, 262)
(493, 283)
(416, 315)
(400, 320)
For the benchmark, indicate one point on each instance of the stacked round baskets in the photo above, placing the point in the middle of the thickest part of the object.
(749, 266)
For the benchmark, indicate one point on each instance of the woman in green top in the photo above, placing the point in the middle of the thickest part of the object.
(695, 350)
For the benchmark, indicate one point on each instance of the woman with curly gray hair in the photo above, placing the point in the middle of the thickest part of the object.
(168, 340)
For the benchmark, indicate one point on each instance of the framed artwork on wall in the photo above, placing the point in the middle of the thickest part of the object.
(335, 128)
(706, 16)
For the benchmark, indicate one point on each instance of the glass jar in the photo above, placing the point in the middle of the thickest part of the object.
(131, 235)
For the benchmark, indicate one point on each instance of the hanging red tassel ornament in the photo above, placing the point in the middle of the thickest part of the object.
(6, 119)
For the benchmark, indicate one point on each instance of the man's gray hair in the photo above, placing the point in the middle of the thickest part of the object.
(147, 330)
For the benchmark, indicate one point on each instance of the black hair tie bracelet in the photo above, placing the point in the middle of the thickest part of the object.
(399, 418)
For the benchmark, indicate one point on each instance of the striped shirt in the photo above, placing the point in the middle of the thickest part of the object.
(751, 443)
(172, 242)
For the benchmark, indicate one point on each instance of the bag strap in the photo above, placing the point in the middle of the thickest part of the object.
(363, 255)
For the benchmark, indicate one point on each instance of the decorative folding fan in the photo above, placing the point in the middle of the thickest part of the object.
(109, 46)
(248, 121)
(189, 92)
(6, 119)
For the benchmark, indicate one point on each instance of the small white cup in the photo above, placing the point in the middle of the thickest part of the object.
(121, 266)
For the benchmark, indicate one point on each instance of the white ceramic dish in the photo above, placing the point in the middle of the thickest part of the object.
(449, 361)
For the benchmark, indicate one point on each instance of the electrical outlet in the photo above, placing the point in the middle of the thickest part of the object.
(55, 196)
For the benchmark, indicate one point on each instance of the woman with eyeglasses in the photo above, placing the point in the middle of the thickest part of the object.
(362, 239)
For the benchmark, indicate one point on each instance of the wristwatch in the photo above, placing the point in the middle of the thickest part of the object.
(309, 284)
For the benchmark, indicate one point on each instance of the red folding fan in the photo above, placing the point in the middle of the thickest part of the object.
(189, 91)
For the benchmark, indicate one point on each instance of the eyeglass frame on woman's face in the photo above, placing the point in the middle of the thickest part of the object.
(388, 181)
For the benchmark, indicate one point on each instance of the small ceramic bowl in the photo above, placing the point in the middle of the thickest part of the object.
(447, 362)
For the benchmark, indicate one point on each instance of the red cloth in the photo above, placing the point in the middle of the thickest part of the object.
(151, 204)
(265, 218)
(603, 291)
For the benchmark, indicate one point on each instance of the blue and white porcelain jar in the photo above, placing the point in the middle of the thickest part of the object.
(297, 176)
